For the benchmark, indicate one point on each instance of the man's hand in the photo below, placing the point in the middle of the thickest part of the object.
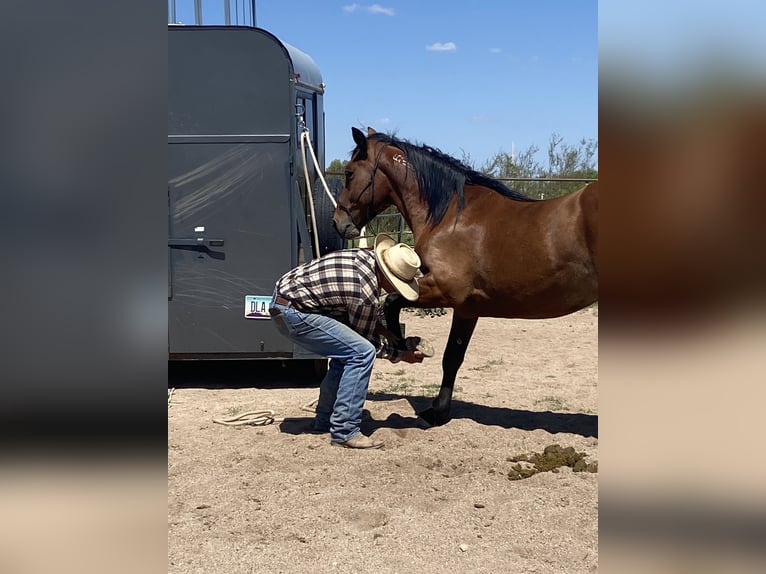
(411, 356)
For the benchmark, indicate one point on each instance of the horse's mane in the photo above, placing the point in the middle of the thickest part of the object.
(440, 176)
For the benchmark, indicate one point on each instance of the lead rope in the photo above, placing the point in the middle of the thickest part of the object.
(255, 418)
(305, 139)
(259, 418)
(306, 142)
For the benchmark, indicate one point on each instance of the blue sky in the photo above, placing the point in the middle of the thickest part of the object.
(466, 77)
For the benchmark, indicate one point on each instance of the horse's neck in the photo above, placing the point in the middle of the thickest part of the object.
(406, 198)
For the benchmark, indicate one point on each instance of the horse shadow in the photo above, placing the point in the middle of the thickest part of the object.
(304, 425)
(574, 423)
(287, 374)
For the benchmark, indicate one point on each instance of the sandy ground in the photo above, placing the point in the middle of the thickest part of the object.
(275, 498)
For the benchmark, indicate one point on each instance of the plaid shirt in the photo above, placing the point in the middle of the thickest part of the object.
(343, 285)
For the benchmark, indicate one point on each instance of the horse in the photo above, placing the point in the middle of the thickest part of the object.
(486, 250)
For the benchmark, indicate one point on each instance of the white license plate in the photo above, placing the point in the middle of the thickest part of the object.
(257, 306)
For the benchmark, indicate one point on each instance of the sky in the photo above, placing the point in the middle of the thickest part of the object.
(470, 78)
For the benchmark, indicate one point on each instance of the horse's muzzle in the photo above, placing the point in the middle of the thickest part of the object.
(345, 227)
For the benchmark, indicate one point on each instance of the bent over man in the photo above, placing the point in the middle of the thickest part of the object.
(331, 307)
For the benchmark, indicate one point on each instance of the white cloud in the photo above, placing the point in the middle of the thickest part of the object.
(378, 9)
(439, 47)
(373, 9)
(495, 50)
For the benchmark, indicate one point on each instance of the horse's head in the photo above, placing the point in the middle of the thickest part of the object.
(366, 191)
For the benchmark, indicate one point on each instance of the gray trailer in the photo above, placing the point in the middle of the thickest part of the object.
(238, 205)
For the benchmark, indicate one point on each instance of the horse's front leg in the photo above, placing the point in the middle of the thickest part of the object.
(432, 296)
(459, 337)
(392, 306)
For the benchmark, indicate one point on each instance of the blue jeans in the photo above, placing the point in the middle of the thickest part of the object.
(344, 389)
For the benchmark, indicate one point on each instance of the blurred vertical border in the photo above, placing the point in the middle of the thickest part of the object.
(682, 130)
(84, 316)
(84, 216)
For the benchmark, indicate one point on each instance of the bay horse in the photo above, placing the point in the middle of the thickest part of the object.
(486, 250)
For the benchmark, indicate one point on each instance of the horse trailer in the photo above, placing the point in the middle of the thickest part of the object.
(239, 207)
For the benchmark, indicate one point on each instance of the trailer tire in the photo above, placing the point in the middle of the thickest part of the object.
(329, 240)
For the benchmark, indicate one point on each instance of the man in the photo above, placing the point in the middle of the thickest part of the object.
(330, 306)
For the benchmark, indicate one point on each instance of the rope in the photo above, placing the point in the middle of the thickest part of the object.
(259, 418)
(309, 407)
(305, 139)
(170, 395)
(305, 136)
(309, 190)
(255, 418)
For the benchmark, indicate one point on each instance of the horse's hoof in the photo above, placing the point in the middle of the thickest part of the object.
(419, 344)
(433, 417)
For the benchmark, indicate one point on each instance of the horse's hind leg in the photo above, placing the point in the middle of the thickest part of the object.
(459, 337)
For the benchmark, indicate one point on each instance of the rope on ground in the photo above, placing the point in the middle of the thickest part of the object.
(310, 407)
(260, 418)
(255, 418)
(170, 395)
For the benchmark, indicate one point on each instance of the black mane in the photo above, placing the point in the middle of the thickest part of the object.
(440, 177)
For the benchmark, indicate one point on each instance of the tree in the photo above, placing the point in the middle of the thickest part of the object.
(564, 161)
(337, 166)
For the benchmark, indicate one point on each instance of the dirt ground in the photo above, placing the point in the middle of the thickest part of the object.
(275, 498)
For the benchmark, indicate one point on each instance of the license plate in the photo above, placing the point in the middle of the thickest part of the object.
(257, 306)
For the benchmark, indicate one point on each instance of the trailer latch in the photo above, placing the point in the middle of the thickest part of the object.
(195, 242)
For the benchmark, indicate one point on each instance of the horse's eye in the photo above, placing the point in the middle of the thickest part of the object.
(349, 175)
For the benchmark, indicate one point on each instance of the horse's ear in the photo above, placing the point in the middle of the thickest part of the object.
(359, 138)
(361, 143)
(370, 131)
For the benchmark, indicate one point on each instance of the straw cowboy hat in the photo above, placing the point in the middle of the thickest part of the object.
(400, 264)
